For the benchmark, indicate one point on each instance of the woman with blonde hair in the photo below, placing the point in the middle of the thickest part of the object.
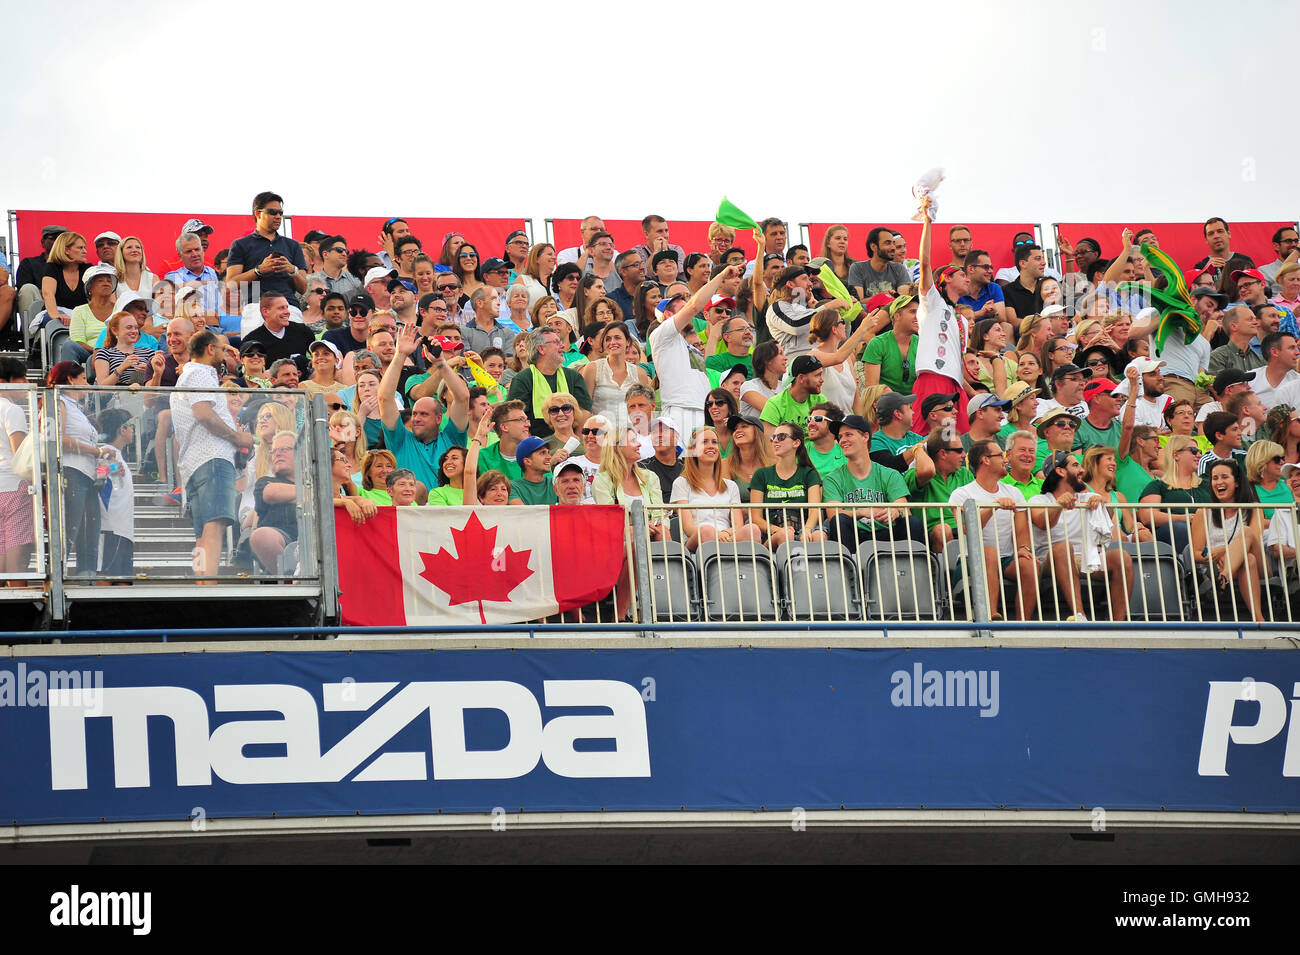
(865, 404)
(1264, 463)
(835, 247)
(609, 377)
(347, 431)
(702, 482)
(1035, 330)
(562, 411)
(1100, 464)
(62, 288)
(537, 271)
(747, 451)
(271, 417)
(620, 481)
(1283, 427)
(721, 238)
(376, 465)
(1178, 484)
(129, 263)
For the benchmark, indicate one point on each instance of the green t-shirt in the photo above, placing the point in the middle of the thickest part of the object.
(1174, 495)
(491, 459)
(446, 496)
(1089, 437)
(533, 492)
(937, 489)
(723, 362)
(1027, 488)
(779, 490)
(781, 407)
(881, 486)
(883, 351)
(1281, 495)
(883, 442)
(378, 495)
(1130, 479)
(825, 463)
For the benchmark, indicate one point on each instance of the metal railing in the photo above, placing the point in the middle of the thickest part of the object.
(23, 565)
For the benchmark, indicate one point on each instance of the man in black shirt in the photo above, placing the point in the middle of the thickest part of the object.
(1021, 296)
(280, 337)
(32, 268)
(264, 259)
(1218, 237)
(667, 462)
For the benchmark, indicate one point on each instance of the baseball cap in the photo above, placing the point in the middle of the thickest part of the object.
(804, 365)
(1229, 377)
(107, 237)
(1052, 415)
(733, 421)
(249, 347)
(530, 445)
(891, 401)
(663, 257)
(879, 300)
(395, 282)
(322, 343)
(50, 231)
(817, 263)
(315, 235)
(198, 227)
(428, 298)
(129, 298)
(1057, 459)
(662, 305)
(1018, 392)
(1145, 366)
(378, 272)
(726, 300)
(1288, 468)
(1070, 369)
(1255, 274)
(1191, 275)
(900, 302)
(983, 400)
(362, 298)
(933, 401)
(569, 464)
(733, 370)
(666, 422)
(856, 422)
(515, 235)
(1096, 387)
(1209, 293)
(493, 264)
(1050, 310)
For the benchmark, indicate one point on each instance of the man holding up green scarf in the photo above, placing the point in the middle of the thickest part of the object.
(544, 376)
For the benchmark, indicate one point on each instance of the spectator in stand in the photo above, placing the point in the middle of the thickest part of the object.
(534, 485)
(894, 438)
(106, 244)
(664, 268)
(405, 251)
(1282, 425)
(1286, 241)
(270, 262)
(450, 491)
(352, 338)
(208, 438)
(790, 311)
(1183, 360)
(276, 497)
(536, 275)
(939, 411)
(120, 362)
(1276, 382)
(570, 484)
(117, 513)
(1057, 429)
(194, 271)
(346, 433)
(702, 483)
(838, 351)
(1230, 539)
(424, 274)
(1068, 381)
(629, 277)
(1249, 411)
(403, 488)
(823, 450)
(890, 358)
(936, 471)
(1218, 238)
(1021, 295)
(835, 249)
(746, 452)
(620, 481)
(683, 381)
(1100, 472)
(667, 462)
(959, 241)
(1021, 410)
(62, 288)
(1223, 430)
(1035, 330)
(1179, 483)
(878, 272)
(1058, 514)
(1007, 551)
(733, 334)
(346, 495)
(720, 406)
(1152, 402)
(129, 264)
(87, 321)
(1263, 466)
(789, 479)
(484, 330)
(985, 299)
(333, 266)
(17, 520)
(796, 402)
(281, 337)
(862, 481)
(988, 340)
(431, 432)
(770, 363)
(1022, 462)
(609, 378)
(325, 363)
(31, 270)
(987, 415)
(655, 229)
(375, 468)
(1242, 325)
(1101, 425)
(1288, 284)
(509, 421)
(943, 332)
(580, 253)
(544, 376)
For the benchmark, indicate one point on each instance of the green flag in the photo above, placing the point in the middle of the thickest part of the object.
(729, 215)
(831, 282)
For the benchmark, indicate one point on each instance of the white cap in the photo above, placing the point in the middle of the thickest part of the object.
(108, 235)
(338, 355)
(184, 292)
(1050, 310)
(1146, 313)
(1288, 468)
(667, 422)
(1145, 366)
(378, 272)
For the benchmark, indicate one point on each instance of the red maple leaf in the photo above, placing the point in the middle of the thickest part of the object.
(478, 573)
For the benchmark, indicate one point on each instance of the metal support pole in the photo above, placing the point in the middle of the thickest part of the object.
(327, 556)
(978, 589)
(641, 562)
(54, 504)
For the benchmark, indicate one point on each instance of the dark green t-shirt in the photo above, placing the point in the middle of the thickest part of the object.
(533, 492)
(883, 350)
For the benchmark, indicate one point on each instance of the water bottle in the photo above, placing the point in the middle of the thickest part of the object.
(101, 474)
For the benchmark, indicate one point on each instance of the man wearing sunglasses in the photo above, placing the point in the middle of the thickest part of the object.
(985, 297)
(823, 450)
(352, 336)
(333, 266)
(272, 261)
(1057, 430)
(938, 469)
(1067, 385)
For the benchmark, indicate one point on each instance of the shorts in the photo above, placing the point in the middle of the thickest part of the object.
(210, 492)
(17, 522)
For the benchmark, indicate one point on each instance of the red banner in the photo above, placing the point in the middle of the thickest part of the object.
(363, 232)
(1183, 241)
(995, 238)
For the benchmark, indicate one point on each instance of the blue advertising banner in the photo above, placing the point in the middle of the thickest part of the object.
(153, 736)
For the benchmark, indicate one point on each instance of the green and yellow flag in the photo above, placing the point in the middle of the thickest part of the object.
(1174, 301)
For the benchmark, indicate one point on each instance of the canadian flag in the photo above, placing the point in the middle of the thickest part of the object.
(475, 565)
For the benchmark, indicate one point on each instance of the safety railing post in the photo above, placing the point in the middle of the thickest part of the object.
(53, 476)
(322, 460)
(641, 561)
(978, 586)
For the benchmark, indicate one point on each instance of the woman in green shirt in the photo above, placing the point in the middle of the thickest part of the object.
(375, 468)
(1180, 485)
(791, 479)
(1100, 466)
(451, 479)
(345, 492)
(1264, 463)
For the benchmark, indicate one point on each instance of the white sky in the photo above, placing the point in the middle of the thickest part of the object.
(820, 111)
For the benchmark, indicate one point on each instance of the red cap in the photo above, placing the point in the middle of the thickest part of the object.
(1255, 274)
(1095, 387)
(880, 300)
(726, 300)
(1191, 275)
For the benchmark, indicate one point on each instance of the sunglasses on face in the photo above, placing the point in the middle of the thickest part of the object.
(469, 255)
(1066, 424)
(593, 431)
(335, 406)
(358, 310)
(778, 438)
(943, 408)
(562, 409)
(819, 418)
(715, 404)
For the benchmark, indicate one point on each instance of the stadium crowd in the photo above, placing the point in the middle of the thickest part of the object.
(854, 382)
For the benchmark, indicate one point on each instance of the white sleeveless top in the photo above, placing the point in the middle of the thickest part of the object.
(839, 387)
(610, 398)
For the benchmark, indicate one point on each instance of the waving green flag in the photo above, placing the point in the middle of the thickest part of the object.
(833, 285)
(1174, 301)
(729, 215)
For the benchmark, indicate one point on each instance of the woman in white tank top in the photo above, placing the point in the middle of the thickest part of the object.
(837, 350)
(609, 379)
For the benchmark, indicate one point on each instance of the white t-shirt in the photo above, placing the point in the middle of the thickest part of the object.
(1062, 526)
(13, 420)
(589, 469)
(1010, 273)
(119, 516)
(720, 519)
(1000, 529)
(942, 337)
(680, 385)
(1079, 411)
(756, 386)
(199, 445)
(1287, 393)
(77, 425)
